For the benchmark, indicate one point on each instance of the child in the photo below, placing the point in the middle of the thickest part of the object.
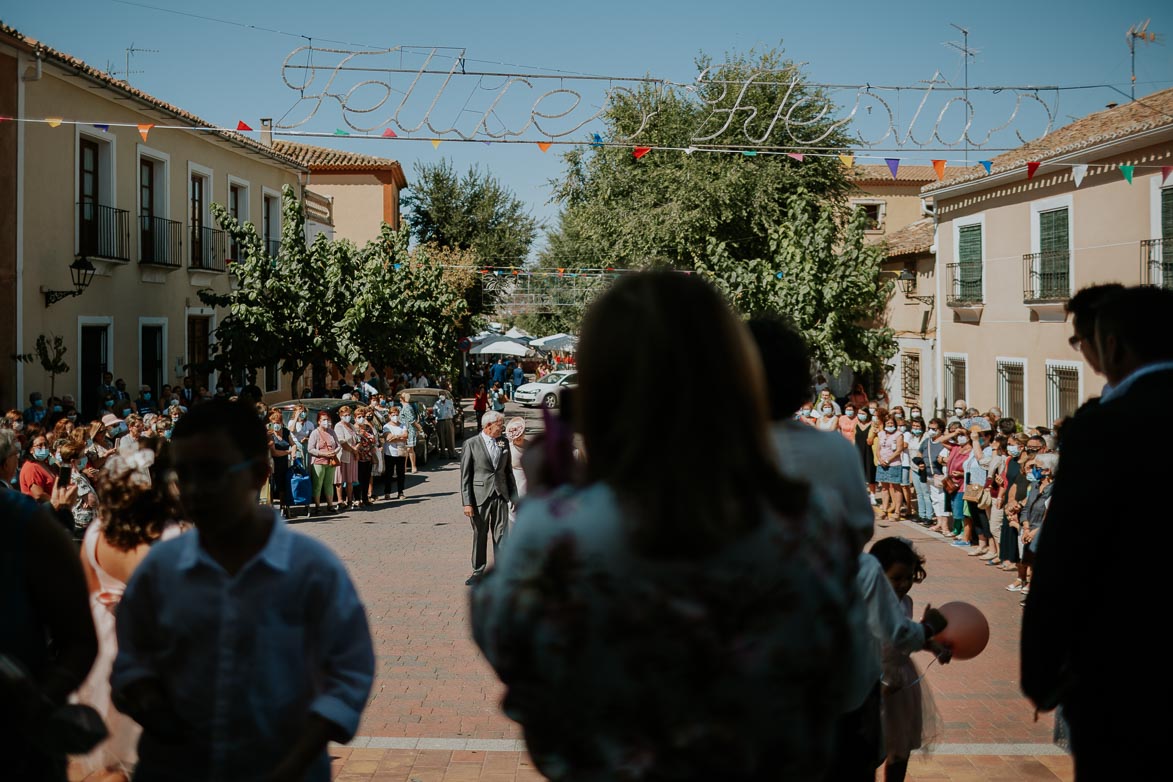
(909, 715)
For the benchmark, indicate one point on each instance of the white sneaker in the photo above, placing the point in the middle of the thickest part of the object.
(1017, 586)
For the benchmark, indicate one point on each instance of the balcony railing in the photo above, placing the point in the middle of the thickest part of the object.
(208, 249)
(103, 231)
(964, 284)
(1155, 265)
(1046, 276)
(161, 241)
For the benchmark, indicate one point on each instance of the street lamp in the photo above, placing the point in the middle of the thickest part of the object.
(907, 281)
(81, 271)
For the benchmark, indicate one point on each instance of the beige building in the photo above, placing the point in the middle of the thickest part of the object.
(363, 190)
(1012, 249)
(134, 204)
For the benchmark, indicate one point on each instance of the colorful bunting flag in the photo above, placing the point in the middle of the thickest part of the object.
(144, 129)
(436, 143)
(543, 145)
(240, 125)
(847, 160)
(986, 164)
(1127, 172)
(1078, 173)
(103, 128)
(341, 132)
(1031, 168)
(596, 140)
(1165, 172)
(388, 133)
(893, 165)
(939, 167)
(53, 122)
(795, 155)
(689, 150)
(749, 152)
(639, 152)
(5, 119)
(398, 266)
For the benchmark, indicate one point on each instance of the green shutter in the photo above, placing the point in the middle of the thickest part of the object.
(1053, 246)
(1053, 231)
(969, 259)
(1167, 214)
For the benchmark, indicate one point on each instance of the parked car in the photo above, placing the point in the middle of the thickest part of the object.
(546, 392)
(313, 407)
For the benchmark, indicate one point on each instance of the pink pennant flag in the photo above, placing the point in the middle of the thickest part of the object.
(893, 165)
(796, 155)
(388, 133)
(639, 152)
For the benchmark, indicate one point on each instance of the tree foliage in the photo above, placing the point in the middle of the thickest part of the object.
(51, 356)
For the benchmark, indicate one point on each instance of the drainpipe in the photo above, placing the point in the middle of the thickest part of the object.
(938, 350)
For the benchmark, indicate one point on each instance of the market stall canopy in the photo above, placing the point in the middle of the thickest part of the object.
(561, 342)
(501, 347)
(516, 333)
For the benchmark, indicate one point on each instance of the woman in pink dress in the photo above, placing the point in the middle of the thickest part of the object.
(136, 509)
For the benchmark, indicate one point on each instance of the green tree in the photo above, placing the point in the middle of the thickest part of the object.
(51, 357)
(821, 272)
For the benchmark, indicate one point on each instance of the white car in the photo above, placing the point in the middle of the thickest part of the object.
(546, 392)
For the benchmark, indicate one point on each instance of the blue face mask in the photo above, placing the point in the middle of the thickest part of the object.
(57, 408)
(40, 403)
(147, 396)
(40, 454)
(109, 403)
(1036, 474)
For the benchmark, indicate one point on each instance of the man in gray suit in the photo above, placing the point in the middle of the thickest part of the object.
(487, 489)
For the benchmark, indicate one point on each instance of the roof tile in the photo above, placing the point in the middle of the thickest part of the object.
(323, 157)
(912, 239)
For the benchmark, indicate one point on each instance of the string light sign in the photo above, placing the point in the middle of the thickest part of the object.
(376, 91)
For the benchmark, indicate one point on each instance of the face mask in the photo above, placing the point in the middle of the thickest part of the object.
(40, 404)
(1013, 450)
(850, 414)
(109, 403)
(167, 434)
(916, 413)
(301, 416)
(174, 403)
(903, 428)
(275, 427)
(324, 423)
(147, 396)
(898, 414)
(934, 432)
(346, 419)
(889, 429)
(957, 411)
(1036, 474)
(71, 417)
(362, 420)
(962, 439)
(394, 419)
(872, 410)
(40, 454)
(126, 411)
(82, 462)
(812, 413)
(828, 410)
(864, 416)
(57, 408)
(918, 432)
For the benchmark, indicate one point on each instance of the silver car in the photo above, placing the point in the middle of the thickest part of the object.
(546, 392)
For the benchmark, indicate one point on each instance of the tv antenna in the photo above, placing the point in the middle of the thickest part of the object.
(126, 73)
(1138, 32)
(966, 53)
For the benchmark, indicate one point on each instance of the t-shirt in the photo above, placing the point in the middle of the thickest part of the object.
(498, 398)
(34, 473)
(396, 448)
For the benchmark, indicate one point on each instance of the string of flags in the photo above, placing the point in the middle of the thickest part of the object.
(847, 160)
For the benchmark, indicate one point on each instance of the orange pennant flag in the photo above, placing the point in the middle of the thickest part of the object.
(847, 160)
(144, 129)
(939, 167)
(53, 121)
(543, 145)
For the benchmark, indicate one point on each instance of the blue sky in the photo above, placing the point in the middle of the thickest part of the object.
(225, 73)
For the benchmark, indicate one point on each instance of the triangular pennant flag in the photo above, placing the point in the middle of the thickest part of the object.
(796, 156)
(689, 150)
(596, 140)
(749, 152)
(487, 143)
(388, 133)
(939, 167)
(847, 160)
(639, 152)
(53, 121)
(240, 125)
(1165, 172)
(893, 165)
(144, 129)
(341, 132)
(103, 128)
(543, 145)
(1078, 173)
(1127, 172)
(4, 119)
(1031, 168)
(986, 164)
(436, 142)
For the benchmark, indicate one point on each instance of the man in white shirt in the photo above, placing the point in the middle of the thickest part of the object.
(445, 424)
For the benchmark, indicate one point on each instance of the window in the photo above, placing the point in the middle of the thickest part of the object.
(271, 225)
(272, 377)
(1012, 388)
(1062, 390)
(967, 282)
(910, 375)
(1167, 214)
(102, 230)
(238, 209)
(199, 329)
(955, 380)
(159, 239)
(152, 353)
(197, 203)
(1054, 256)
(873, 213)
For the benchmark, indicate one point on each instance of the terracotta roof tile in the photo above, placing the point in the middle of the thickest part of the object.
(323, 157)
(881, 173)
(911, 239)
(80, 67)
(1147, 113)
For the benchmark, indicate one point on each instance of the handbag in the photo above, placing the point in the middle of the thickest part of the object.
(949, 485)
(978, 494)
(300, 484)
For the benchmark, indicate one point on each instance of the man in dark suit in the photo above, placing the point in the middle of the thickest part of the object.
(187, 394)
(487, 489)
(1077, 633)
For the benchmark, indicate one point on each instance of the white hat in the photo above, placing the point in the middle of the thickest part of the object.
(111, 420)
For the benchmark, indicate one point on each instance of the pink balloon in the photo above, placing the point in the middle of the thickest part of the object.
(968, 631)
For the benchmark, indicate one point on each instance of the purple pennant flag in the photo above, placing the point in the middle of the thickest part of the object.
(893, 165)
(103, 128)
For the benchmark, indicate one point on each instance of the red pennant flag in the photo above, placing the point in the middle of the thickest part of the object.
(1165, 172)
(388, 133)
(795, 155)
(639, 152)
(1031, 168)
(241, 126)
(144, 129)
(543, 145)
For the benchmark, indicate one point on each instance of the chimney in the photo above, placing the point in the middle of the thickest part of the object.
(267, 131)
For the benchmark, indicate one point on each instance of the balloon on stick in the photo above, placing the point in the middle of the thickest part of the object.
(967, 633)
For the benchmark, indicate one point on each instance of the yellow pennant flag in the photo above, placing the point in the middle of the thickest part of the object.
(435, 143)
(53, 121)
(543, 145)
(144, 129)
(847, 160)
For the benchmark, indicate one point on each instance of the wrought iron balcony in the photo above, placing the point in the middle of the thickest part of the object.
(208, 249)
(161, 241)
(1046, 276)
(103, 231)
(964, 284)
(1156, 267)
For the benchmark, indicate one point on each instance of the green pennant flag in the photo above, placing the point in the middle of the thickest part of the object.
(340, 132)
(1127, 171)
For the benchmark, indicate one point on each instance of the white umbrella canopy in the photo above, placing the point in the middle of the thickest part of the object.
(562, 342)
(501, 347)
(516, 333)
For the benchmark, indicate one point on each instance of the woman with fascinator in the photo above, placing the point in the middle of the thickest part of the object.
(137, 508)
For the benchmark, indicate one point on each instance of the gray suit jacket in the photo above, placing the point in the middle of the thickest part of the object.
(479, 481)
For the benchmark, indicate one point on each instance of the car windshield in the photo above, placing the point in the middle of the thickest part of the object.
(553, 378)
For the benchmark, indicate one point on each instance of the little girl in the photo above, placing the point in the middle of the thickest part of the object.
(910, 719)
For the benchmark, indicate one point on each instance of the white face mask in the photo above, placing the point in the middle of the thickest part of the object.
(828, 410)
(1013, 450)
(889, 429)
(962, 439)
(957, 411)
(362, 420)
(324, 423)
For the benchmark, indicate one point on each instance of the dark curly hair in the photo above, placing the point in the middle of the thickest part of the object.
(133, 514)
(892, 551)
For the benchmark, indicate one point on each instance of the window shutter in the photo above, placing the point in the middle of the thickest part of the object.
(1167, 214)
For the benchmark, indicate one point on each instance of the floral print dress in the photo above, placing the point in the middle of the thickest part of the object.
(624, 667)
